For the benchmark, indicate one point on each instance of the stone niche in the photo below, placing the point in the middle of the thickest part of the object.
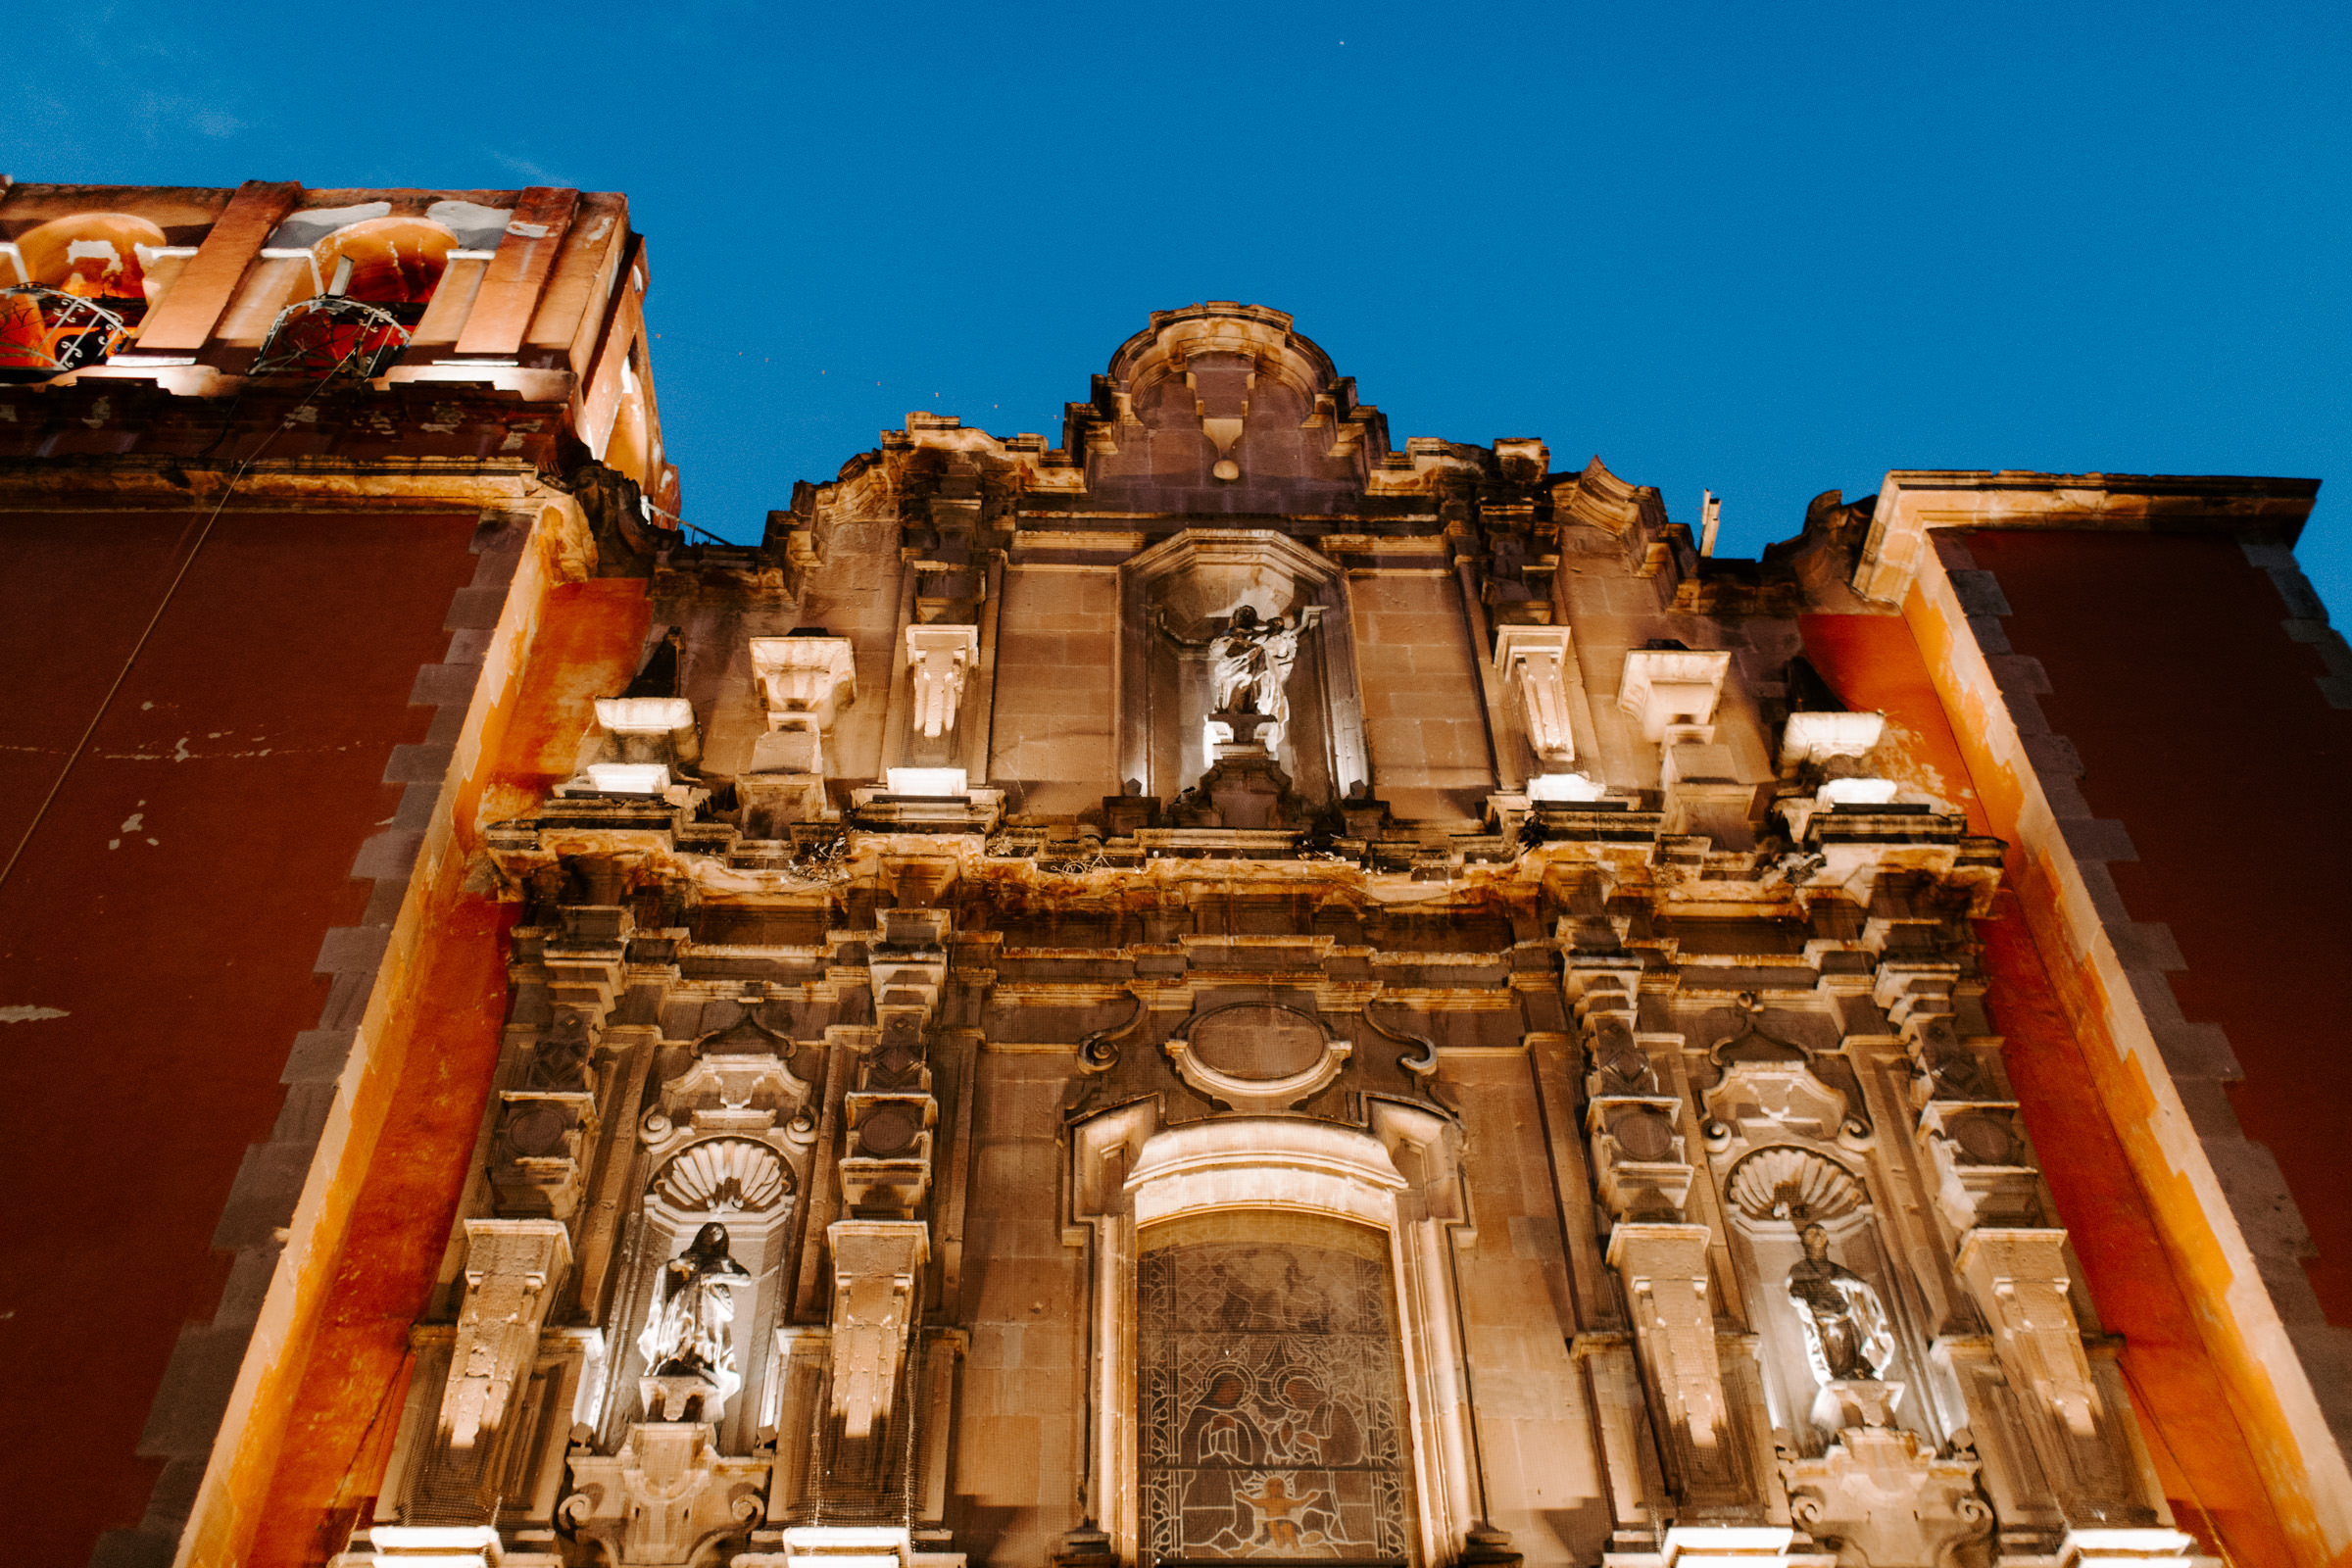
(1181, 594)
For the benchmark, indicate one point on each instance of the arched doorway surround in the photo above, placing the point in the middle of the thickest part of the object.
(1137, 1184)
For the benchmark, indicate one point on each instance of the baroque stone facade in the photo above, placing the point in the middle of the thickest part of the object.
(1212, 989)
(1221, 989)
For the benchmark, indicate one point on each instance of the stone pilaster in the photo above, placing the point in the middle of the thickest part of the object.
(1664, 1271)
(2018, 1279)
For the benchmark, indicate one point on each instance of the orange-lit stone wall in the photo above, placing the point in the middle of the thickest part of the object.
(2169, 672)
(2202, 727)
(345, 1385)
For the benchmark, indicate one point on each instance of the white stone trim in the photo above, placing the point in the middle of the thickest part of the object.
(1401, 1177)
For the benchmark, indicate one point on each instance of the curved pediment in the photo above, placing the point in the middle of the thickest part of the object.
(1223, 408)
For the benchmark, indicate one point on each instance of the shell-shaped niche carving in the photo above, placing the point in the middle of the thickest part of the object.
(724, 1176)
(1796, 1185)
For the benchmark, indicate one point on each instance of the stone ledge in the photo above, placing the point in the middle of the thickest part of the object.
(438, 685)
(2198, 1050)
(468, 645)
(1992, 638)
(2018, 672)
(134, 1549)
(318, 1055)
(2097, 838)
(391, 853)
(351, 950)
(1978, 592)
(2326, 1350)
(2053, 754)
(262, 1200)
(418, 765)
(499, 564)
(475, 609)
(194, 1394)
(417, 801)
(2146, 945)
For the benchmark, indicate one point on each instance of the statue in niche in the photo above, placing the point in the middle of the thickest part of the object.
(1848, 1336)
(1250, 666)
(688, 1336)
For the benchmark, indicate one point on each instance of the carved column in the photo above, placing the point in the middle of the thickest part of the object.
(2018, 1279)
(1641, 1165)
(880, 1250)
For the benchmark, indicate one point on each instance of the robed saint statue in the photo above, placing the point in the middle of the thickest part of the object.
(1250, 665)
(1848, 1336)
(687, 1334)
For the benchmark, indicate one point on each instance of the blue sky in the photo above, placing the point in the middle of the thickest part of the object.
(1765, 250)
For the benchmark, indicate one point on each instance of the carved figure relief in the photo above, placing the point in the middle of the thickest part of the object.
(689, 1334)
(1273, 1406)
(1237, 649)
(1249, 663)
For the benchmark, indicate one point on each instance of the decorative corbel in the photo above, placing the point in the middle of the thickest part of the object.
(2020, 1279)
(805, 681)
(1533, 661)
(512, 1269)
(878, 1276)
(1671, 693)
(939, 660)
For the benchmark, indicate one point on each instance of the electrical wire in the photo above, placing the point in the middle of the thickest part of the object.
(172, 588)
(2221, 1542)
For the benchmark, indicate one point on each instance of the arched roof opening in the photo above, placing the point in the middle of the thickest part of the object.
(93, 255)
(391, 261)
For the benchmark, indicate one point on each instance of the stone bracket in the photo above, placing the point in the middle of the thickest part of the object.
(877, 1285)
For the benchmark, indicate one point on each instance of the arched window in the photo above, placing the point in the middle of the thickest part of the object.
(82, 293)
(1288, 1367)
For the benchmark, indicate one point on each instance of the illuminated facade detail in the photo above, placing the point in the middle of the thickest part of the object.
(1213, 989)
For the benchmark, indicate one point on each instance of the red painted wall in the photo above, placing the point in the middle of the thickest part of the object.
(2201, 729)
(171, 904)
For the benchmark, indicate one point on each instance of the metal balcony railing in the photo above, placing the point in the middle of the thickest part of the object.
(331, 334)
(47, 331)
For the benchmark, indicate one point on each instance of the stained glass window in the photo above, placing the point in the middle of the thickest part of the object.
(1273, 1412)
